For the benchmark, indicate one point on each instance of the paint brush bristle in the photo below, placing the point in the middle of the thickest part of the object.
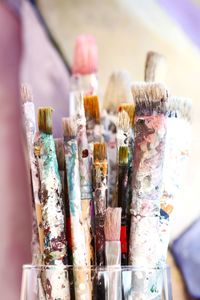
(91, 105)
(45, 122)
(100, 152)
(130, 109)
(69, 127)
(26, 93)
(123, 155)
(155, 67)
(179, 107)
(85, 55)
(60, 153)
(124, 121)
(118, 90)
(151, 98)
(112, 224)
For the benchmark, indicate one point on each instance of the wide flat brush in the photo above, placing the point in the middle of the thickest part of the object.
(81, 284)
(100, 186)
(112, 229)
(85, 67)
(155, 67)
(53, 218)
(149, 144)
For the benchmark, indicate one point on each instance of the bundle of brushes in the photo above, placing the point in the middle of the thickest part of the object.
(104, 192)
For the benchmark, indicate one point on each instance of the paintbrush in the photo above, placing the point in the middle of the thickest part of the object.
(92, 114)
(112, 228)
(155, 67)
(100, 185)
(30, 128)
(85, 169)
(118, 90)
(176, 156)
(56, 285)
(81, 284)
(85, 67)
(149, 143)
(123, 201)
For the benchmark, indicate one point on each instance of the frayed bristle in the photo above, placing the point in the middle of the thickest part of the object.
(92, 111)
(112, 224)
(69, 127)
(45, 122)
(118, 90)
(150, 98)
(155, 67)
(60, 153)
(179, 107)
(123, 155)
(124, 121)
(85, 55)
(100, 152)
(26, 93)
(130, 109)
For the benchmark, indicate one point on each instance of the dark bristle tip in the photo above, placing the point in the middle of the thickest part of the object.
(45, 123)
(100, 151)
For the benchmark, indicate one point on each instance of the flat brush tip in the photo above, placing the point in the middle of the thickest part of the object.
(85, 60)
(45, 122)
(69, 127)
(112, 224)
(26, 93)
(99, 151)
(123, 155)
(91, 106)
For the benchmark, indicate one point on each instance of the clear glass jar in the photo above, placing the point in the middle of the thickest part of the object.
(98, 283)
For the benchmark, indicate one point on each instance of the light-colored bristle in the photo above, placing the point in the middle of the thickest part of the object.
(155, 67)
(60, 153)
(45, 122)
(79, 104)
(123, 155)
(100, 152)
(112, 224)
(26, 93)
(150, 97)
(92, 110)
(130, 109)
(118, 90)
(179, 107)
(124, 121)
(69, 127)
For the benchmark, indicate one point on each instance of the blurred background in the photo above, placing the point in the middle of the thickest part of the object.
(124, 30)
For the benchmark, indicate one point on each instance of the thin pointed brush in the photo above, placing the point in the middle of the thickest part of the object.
(53, 218)
(176, 156)
(100, 185)
(30, 127)
(112, 229)
(149, 146)
(123, 201)
(118, 90)
(85, 68)
(92, 114)
(81, 284)
(155, 67)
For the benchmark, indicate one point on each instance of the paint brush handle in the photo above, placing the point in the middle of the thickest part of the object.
(100, 240)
